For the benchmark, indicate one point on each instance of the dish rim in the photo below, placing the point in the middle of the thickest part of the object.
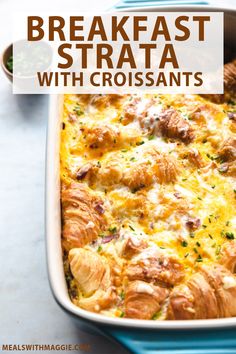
(53, 226)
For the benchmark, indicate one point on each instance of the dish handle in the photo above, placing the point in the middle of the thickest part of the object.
(217, 341)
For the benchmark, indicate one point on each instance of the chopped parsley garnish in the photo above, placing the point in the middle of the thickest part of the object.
(198, 244)
(151, 137)
(184, 243)
(131, 228)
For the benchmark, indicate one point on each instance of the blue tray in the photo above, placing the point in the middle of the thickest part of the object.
(207, 341)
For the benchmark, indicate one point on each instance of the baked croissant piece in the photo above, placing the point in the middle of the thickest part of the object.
(143, 300)
(229, 85)
(158, 268)
(166, 169)
(82, 217)
(110, 172)
(210, 293)
(156, 167)
(172, 125)
(102, 136)
(92, 273)
(227, 153)
(228, 149)
(138, 176)
(228, 256)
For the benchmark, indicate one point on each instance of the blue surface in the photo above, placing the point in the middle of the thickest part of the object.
(220, 341)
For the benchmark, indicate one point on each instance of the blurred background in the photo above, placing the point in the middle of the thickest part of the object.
(28, 312)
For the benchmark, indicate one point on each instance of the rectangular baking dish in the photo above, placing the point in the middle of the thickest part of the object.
(216, 336)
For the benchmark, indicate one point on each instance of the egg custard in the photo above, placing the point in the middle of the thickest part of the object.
(148, 191)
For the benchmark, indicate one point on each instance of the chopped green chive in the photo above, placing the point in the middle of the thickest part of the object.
(218, 248)
(77, 110)
(199, 258)
(122, 295)
(229, 235)
(112, 229)
(140, 143)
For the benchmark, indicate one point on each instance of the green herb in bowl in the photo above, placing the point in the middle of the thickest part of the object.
(9, 64)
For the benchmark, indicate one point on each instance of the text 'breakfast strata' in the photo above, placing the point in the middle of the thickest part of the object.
(148, 190)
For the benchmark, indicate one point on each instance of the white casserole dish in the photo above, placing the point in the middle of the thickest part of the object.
(194, 336)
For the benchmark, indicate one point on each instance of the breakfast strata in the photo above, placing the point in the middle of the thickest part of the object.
(148, 191)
